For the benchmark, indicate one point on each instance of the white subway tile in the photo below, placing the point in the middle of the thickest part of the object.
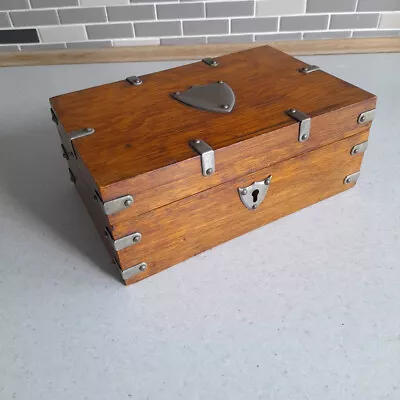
(136, 42)
(390, 21)
(73, 33)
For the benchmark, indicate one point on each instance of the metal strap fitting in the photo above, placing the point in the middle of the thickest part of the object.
(309, 69)
(352, 178)
(359, 148)
(366, 116)
(207, 156)
(210, 61)
(132, 271)
(68, 146)
(124, 242)
(134, 80)
(116, 205)
(305, 123)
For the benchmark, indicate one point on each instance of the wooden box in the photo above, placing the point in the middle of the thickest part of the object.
(176, 162)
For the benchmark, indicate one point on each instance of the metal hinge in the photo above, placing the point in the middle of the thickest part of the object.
(132, 271)
(124, 242)
(366, 116)
(69, 151)
(210, 61)
(116, 205)
(134, 80)
(352, 178)
(359, 148)
(309, 69)
(206, 154)
(305, 123)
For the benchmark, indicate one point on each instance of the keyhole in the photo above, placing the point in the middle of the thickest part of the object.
(255, 195)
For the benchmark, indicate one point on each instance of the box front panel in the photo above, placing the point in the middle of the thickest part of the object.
(161, 187)
(197, 223)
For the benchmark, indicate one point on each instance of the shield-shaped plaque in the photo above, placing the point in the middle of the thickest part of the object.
(216, 97)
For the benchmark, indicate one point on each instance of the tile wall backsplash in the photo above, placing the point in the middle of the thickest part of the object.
(34, 25)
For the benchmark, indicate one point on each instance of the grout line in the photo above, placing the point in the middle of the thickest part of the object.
(86, 32)
(180, 21)
(58, 17)
(9, 18)
(222, 34)
(177, 2)
(279, 24)
(39, 35)
(229, 26)
(106, 11)
(155, 11)
(329, 21)
(233, 1)
(379, 20)
(356, 6)
(133, 31)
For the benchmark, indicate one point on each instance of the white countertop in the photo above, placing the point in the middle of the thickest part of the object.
(307, 307)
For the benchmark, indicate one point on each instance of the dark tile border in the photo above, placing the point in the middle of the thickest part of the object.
(11, 36)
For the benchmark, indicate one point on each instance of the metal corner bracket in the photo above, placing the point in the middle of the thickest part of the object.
(210, 61)
(366, 117)
(359, 148)
(309, 69)
(206, 154)
(124, 242)
(68, 145)
(132, 271)
(352, 178)
(116, 205)
(305, 123)
(134, 80)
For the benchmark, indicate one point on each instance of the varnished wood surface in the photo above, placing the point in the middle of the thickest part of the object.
(142, 134)
(158, 188)
(159, 53)
(180, 230)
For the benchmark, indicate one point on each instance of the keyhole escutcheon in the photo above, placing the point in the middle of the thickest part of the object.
(255, 195)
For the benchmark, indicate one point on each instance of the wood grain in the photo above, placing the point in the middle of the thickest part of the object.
(159, 53)
(180, 230)
(140, 146)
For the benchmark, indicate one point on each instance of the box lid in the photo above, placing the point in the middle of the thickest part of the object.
(140, 145)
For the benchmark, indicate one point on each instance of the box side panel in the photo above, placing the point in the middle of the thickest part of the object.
(180, 230)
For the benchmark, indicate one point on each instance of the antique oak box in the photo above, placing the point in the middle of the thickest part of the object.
(173, 163)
